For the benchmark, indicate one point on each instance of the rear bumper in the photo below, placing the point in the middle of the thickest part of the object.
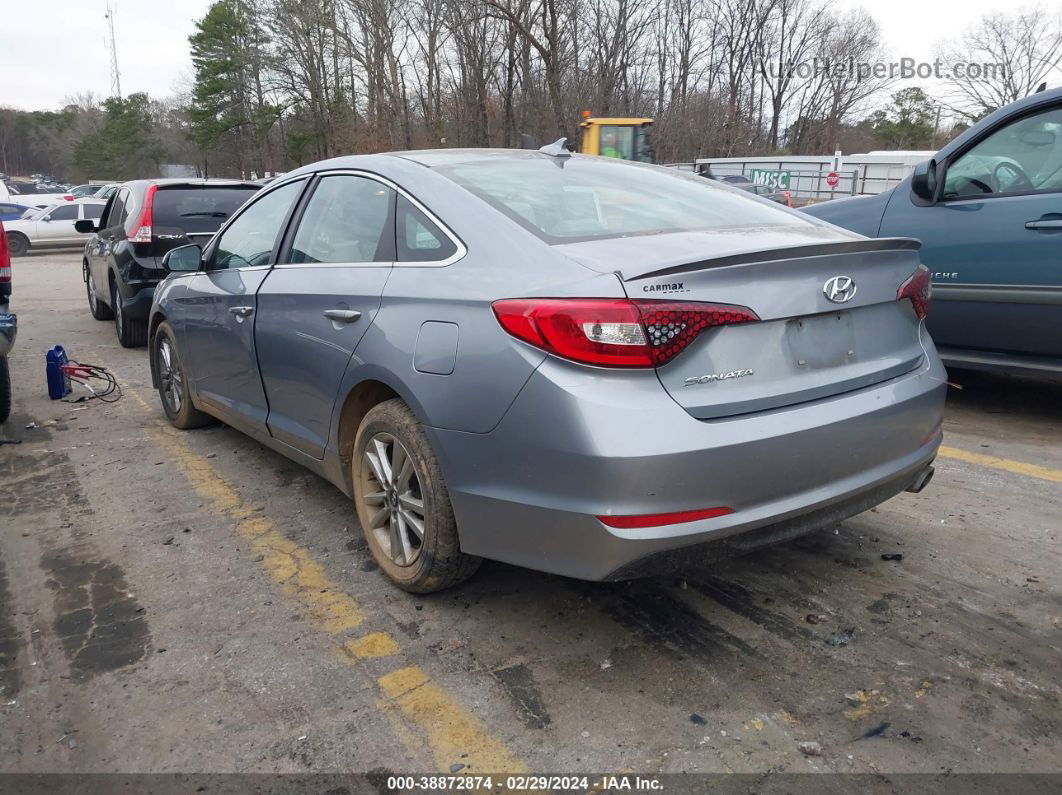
(8, 332)
(580, 443)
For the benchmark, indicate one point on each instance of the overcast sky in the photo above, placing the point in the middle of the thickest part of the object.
(58, 47)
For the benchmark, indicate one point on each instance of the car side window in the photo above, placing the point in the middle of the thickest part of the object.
(348, 219)
(118, 213)
(1024, 156)
(92, 211)
(418, 238)
(68, 212)
(248, 241)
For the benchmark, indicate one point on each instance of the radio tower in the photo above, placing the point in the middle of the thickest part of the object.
(116, 76)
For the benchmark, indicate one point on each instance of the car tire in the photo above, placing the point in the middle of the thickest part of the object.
(98, 309)
(132, 332)
(388, 511)
(5, 390)
(17, 244)
(173, 391)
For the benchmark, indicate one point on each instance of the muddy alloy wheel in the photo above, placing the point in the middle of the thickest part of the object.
(403, 504)
(390, 487)
(172, 384)
(171, 380)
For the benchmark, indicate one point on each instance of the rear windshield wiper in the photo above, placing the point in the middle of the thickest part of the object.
(205, 213)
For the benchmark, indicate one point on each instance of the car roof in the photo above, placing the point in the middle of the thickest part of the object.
(433, 158)
(169, 181)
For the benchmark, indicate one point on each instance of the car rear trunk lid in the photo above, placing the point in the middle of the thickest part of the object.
(805, 347)
(183, 214)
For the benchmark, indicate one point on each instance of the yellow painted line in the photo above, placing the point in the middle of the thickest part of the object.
(1006, 464)
(367, 647)
(291, 567)
(449, 730)
(429, 716)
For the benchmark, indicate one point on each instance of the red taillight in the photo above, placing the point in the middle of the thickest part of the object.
(659, 519)
(614, 332)
(919, 288)
(68, 197)
(5, 257)
(142, 234)
(672, 325)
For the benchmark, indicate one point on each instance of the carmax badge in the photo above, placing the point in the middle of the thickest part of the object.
(712, 377)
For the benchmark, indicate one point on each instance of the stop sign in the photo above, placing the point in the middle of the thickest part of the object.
(831, 179)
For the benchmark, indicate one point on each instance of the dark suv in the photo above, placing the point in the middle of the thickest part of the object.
(142, 221)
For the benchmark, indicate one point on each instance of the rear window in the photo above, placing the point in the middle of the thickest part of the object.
(198, 210)
(573, 199)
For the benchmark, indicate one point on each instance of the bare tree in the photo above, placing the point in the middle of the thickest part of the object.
(1003, 57)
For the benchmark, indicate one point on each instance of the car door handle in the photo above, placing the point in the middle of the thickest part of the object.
(242, 311)
(342, 315)
(1051, 224)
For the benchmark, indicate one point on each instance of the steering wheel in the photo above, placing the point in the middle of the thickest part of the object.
(1021, 181)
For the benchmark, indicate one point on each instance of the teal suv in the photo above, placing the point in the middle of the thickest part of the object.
(988, 210)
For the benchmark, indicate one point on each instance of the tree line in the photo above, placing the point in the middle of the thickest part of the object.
(278, 83)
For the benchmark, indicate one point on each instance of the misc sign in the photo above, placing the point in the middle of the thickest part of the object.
(779, 180)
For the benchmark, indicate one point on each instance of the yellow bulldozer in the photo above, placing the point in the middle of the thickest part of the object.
(622, 138)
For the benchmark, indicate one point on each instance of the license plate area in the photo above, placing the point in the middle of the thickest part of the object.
(821, 341)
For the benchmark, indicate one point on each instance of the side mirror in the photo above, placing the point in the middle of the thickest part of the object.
(183, 259)
(46, 219)
(85, 225)
(924, 180)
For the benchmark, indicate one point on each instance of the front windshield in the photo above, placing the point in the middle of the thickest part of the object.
(564, 200)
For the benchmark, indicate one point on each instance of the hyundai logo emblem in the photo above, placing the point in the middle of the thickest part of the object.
(840, 289)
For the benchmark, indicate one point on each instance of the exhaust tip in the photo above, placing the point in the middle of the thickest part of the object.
(921, 480)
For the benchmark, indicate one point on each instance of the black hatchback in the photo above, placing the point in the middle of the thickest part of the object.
(143, 220)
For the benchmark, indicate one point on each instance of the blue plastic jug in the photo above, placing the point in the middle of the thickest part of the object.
(58, 381)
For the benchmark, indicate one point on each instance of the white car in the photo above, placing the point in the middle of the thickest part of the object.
(52, 227)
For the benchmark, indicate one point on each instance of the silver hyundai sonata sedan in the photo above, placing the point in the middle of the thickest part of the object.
(579, 365)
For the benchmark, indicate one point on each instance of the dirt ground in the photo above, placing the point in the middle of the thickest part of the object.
(194, 602)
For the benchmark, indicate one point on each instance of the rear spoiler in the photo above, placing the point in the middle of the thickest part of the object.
(812, 250)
